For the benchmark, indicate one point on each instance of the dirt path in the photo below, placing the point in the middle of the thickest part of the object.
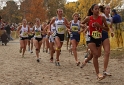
(15, 70)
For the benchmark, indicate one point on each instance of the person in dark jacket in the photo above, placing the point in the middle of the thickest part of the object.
(116, 20)
(4, 38)
(8, 31)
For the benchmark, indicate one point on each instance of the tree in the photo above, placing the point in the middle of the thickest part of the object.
(33, 9)
(10, 13)
(82, 6)
(52, 6)
(70, 8)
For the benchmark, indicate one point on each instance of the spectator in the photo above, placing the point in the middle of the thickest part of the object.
(8, 31)
(116, 18)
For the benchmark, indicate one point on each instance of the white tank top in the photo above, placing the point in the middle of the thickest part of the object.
(31, 30)
(53, 29)
(108, 19)
(60, 27)
(24, 31)
(75, 27)
(38, 32)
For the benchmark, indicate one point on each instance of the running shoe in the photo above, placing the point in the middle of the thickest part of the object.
(100, 77)
(57, 63)
(83, 64)
(78, 63)
(38, 60)
(106, 73)
(51, 59)
(31, 51)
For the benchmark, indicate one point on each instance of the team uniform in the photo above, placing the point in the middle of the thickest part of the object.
(38, 35)
(52, 37)
(60, 29)
(30, 36)
(24, 33)
(44, 36)
(106, 34)
(75, 27)
(68, 35)
(95, 34)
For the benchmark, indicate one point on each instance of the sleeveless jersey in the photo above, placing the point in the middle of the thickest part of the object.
(31, 29)
(108, 20)
(24, 31)
(75, 27)
(38, 32)
(60, 27)
(94, 31)
(53, 29)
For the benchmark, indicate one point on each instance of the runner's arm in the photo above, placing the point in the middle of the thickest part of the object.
(86, 20)
(105, 27)
(18, 30)
(49, 26)
(66, 23)
(111, 30)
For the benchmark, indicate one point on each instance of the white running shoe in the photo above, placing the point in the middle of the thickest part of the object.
(106, 73)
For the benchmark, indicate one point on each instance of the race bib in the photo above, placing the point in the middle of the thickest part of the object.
(60, 29)
(31, 34)
(74, 28)
(96, 34)
(37, 34)
(25, 34)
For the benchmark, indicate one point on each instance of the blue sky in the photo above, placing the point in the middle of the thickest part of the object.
(71, 0)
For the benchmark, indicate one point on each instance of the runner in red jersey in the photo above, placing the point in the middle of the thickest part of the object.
(96, 24)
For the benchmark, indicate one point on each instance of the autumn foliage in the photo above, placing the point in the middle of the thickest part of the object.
(33, 9)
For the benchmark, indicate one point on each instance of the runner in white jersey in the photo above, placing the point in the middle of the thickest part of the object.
(105, 38)
(23, 31)
(38, 37)
(51, 41)
(60, 23)
(30, 37)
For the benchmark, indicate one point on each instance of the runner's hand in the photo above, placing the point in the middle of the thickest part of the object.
(96, 24)
(79, 32)
(48, 33)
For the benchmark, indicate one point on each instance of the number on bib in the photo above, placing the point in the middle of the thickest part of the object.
(37, 33)
(96, 34)
(25, 34)
(31, 34)
(74, 28)
(60, 29)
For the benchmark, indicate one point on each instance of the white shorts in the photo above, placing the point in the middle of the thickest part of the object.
(51, 39)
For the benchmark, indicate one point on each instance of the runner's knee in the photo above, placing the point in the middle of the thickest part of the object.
(96, 54)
